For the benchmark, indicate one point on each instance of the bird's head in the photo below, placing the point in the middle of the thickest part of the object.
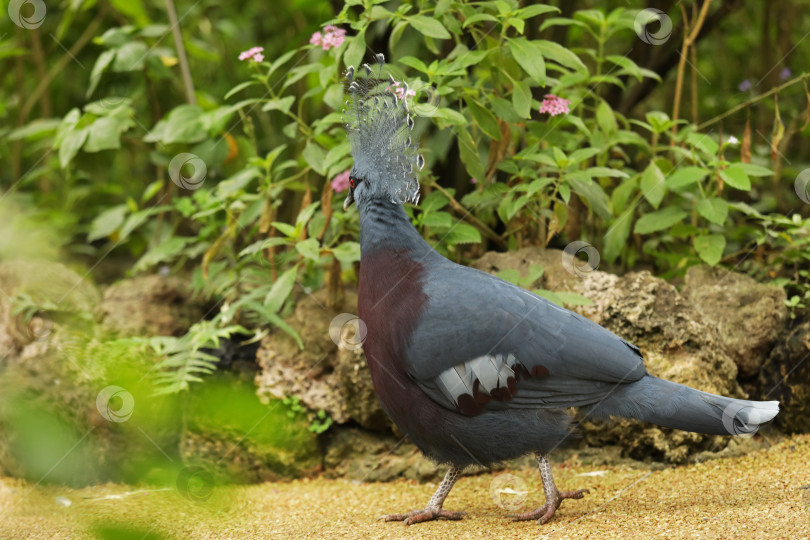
(378, 122)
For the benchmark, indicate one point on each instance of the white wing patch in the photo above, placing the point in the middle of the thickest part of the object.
(472, 384)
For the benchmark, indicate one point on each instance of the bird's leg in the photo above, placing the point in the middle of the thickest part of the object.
(433, 510)
(553, 496)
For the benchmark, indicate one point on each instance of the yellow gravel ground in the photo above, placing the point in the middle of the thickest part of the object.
(765, 494)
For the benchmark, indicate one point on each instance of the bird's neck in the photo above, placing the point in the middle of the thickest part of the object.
(385, 225)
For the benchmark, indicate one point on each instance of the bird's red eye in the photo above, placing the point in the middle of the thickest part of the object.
(351, 182)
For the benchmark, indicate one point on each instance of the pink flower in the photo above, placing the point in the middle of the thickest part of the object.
(473, 181)
(341, 182)
(398, 90)
(554, 105)
(254, 54)
(332, 37)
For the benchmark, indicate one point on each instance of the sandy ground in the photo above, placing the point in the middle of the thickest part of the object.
(765, 494)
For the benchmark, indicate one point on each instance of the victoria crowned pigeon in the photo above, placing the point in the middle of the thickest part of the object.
(476, 370)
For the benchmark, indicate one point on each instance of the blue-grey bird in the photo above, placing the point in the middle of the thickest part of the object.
(476, 370)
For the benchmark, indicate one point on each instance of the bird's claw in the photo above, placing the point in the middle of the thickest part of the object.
(544, 514)
(418, 516)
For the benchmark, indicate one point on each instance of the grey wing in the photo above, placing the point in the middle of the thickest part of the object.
(484, 343)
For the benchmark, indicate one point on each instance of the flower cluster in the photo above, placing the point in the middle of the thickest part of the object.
(398, 89)
(332, 37)
(341, 182)
(254, 54)
(554, 105)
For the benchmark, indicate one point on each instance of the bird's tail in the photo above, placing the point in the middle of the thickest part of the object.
(674, 405)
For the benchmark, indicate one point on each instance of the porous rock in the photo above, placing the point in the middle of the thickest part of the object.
(321, 375)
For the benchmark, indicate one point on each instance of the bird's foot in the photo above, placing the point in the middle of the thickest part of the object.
(546, 512)
(428, 514)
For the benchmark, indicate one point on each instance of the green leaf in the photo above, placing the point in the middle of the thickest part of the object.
(522, 99)
(105, 133)
(561, 55)
(463, 233)
(754, 170)
(735, 177)
(434, 201)
(714, 209)
(616, 236)
(441, 220)
(347, 252)
(239, 87)
(484, 118)
(573, 299)
(280, 104)
(356, 50)
(130, 56)
(182, 125)
(594, 194)
(104, 60)
(703, 142)
(70, 145)
(659, 220)
(530, 57)
(686, 176)
(468, 151)
(652, 184)
(606, 119)
(452, 116)
(281, 290)
(429, 27)
(309, 248)
(107, 222)
(315, 157)
(710, 248)
(533, 11)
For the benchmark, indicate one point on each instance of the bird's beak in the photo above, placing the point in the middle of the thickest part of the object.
(348, 202)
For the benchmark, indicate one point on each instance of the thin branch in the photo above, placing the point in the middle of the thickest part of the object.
(467, 216)
(690, 34)
(757, 99)
(188, 83)
(60, 64)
